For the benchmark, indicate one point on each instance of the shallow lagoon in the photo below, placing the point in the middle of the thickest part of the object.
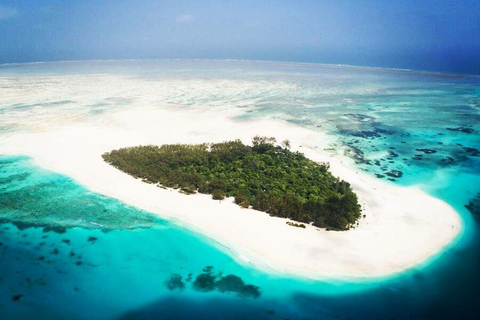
(122, 273)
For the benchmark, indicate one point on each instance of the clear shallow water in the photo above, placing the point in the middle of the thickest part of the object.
(123, 272)
(27, 196)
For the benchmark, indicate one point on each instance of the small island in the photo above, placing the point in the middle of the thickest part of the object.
(265, 176)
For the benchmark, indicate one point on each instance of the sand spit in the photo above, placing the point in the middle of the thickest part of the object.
(403, 225)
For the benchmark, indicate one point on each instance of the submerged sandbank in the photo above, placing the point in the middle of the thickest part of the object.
(402, 227)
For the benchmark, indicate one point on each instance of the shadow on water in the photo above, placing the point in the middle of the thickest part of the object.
(445, 295)
(208, 308)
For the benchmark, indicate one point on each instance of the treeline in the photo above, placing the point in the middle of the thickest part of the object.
(263, 176)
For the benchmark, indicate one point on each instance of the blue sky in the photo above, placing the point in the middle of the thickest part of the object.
(441, 35)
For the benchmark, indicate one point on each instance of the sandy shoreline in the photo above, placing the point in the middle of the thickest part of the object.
(403, 226)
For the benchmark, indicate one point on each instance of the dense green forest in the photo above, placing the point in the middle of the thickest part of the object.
(263, 176)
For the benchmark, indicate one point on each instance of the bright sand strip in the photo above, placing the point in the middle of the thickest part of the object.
(403, 225)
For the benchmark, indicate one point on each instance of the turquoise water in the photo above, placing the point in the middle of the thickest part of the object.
(68, 253)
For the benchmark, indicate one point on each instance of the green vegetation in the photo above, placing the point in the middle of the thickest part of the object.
(298, 225)
(266, 177)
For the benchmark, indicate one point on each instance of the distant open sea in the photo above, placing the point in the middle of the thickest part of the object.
(69, 253)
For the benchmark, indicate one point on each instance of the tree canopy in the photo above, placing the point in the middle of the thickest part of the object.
(263, 176)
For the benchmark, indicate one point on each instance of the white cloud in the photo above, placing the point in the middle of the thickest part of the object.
(185, 18)
(6, 12)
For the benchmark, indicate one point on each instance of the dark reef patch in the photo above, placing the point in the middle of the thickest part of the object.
(20, 225)
(235, 284)
(473, 152)
(251, 291)
(365, 134)
(208, 281)
(395, 173)
(359, 117)
(230, 283)
(379, 130)
(447, 160)
(461, 129)
(56, 229)
(427, 151)
(474, 207)
(204, 282)
(392, 154)
(355, 153)
(208, 269)
(175, 282)
(17, 297)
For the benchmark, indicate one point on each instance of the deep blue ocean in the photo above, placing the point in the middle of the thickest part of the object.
(69, 253)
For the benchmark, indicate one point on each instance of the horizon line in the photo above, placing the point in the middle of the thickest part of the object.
(314, 64)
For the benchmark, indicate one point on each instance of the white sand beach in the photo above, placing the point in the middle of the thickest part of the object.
(403, 225)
